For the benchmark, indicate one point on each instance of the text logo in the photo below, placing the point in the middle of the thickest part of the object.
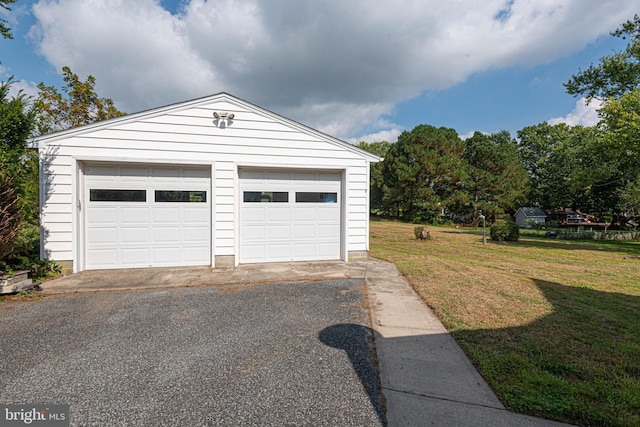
(34, 415)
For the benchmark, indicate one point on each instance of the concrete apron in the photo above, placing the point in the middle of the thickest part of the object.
(179, 277)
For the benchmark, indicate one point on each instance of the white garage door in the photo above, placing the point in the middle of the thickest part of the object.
(146, 216)
(289, 216)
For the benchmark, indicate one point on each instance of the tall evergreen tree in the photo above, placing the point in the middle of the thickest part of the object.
(423, 173)
(497, 182)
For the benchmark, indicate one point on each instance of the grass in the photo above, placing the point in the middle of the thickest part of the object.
(21, 296)
(554, 326)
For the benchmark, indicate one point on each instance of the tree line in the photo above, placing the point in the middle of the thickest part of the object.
(430, 174)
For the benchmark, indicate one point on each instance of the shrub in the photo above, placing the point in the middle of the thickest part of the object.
(45, 269)
(502, 230)
(421, 233)
(10, 210)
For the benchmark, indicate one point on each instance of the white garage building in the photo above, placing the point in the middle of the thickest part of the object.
(214, 181)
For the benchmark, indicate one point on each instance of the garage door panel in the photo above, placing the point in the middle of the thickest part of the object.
(253, 175)
(254, 214)
(162, 215)
(279, 213)
(274, 177)
(279, 251)
(279, 232)
(107, 173)
(134, 257)
(103, 257)
(196, 255)
(304, 250)
(122, 233)
(161, 175)
(131, 235)
(302, 231)
(303, 179)
(195, 234)
(166, 235)
(328, 230)
(292, 227)
(132, 175)
(196, 176)
(133, 215)
(196, 216)
(327, 250)
(255, 232)
(103, 235)
(253, 252)
(327, 214)
(103, 215)
(306, 213)
(164, 255)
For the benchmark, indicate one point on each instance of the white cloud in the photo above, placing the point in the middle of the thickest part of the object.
(18, 86)
(334, 65)
(389, 135)
(470, 134)
(136, 50)
(25, 88)
(583, 114)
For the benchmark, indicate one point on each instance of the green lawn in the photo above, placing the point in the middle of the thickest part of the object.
(554, 326)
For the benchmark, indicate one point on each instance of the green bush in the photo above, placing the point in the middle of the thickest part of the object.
(26, 255)
(27, 243)
(502, 230)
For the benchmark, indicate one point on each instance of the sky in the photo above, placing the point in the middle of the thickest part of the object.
(355, 69)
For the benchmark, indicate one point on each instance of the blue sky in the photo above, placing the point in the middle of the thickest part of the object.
(359, 70)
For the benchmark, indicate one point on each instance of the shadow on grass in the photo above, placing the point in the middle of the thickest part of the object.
(624, 247)
(580, 364)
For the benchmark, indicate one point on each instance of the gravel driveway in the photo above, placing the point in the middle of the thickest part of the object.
(271, 354)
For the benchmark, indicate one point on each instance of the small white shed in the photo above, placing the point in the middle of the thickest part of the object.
(213, 181)
(530, 213)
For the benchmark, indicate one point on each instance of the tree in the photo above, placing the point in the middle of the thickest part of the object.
(616, 74)
(423, 173)
(4, 30)
(379, 148)
(78, 105)
(563, 163)
(620, 151)
(16, 161)
(497, 181)
(616, 80)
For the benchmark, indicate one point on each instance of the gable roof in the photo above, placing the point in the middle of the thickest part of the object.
(531, 212)
(222, 96)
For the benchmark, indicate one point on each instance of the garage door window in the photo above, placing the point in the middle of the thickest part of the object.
(266, 197)
(99, 195)
(313, 197)
(180, 196)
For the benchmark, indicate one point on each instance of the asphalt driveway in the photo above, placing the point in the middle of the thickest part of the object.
(246, 354)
